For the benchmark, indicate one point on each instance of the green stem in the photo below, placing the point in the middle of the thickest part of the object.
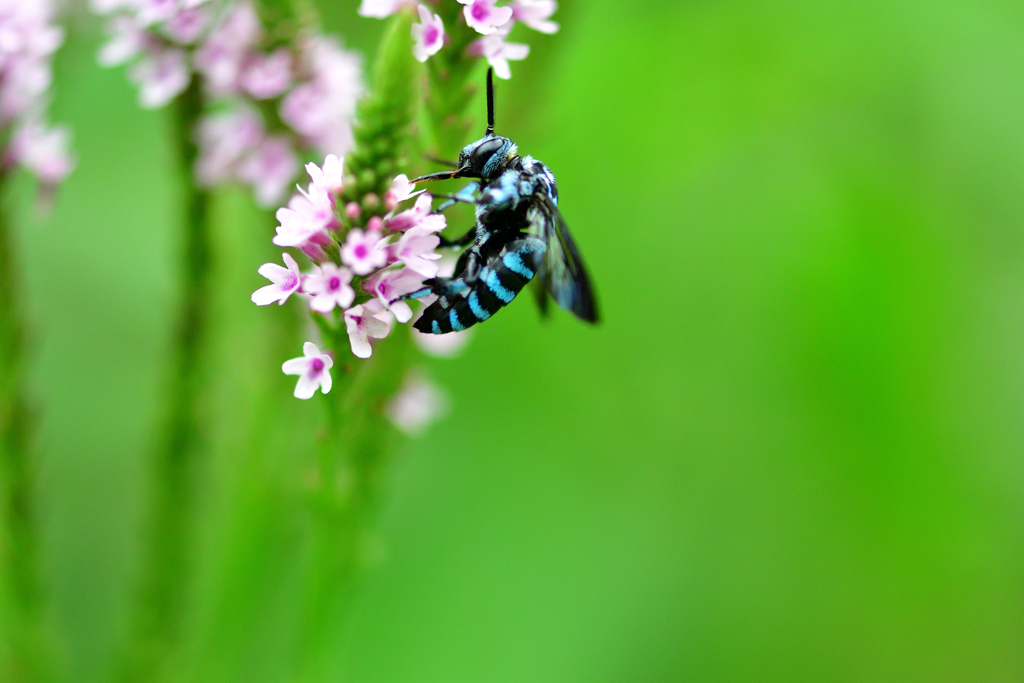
(18, 542)
(157, 620)
(352, 457)
(357, 438)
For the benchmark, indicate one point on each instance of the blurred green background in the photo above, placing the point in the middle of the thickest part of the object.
(794, 449)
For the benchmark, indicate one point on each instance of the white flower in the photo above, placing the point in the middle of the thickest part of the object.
(389, 285)
(428, 35)
(483, 16)
(419, 216)
(416, 250)
(307, 218)
(313, 370)
(329, 178)
(286, 281)
(329, 286)
(497, 52)
(416, 405)
(401, 189)
(362, 322)
(362, 251)
(536, 14)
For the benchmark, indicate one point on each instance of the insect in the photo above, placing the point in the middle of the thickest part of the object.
(519, 235)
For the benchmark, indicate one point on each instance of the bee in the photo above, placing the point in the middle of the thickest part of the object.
(519, 235)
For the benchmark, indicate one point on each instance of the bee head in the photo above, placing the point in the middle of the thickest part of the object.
(486, 158)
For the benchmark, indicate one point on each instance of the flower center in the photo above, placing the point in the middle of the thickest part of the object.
(334, 282)
(290, 281)
(479, 12)
(360, 251)
(430, 35)
(317, 365)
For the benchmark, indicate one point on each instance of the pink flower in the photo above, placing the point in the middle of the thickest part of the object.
(379, 9)
(416, 250)
(418, 216)
(161, 77)
(313, 370)
(400, 190)
(536, 14)
(329, 286)
(362, 252)
(43, 151)
(388, 285)
(483, 16)
(417, 405)
(270, 169)
(307, 218)
(267, 76)
(286, 281)
(428, 35)
(223, 139)
(328, 178)
(362, 322)
(497, 52)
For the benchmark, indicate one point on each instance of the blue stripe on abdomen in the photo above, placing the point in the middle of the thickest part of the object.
(493, 283)
(478, 310)
(453, 318)
(514, 262)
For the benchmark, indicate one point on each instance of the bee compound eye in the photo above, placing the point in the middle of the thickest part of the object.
(484, 151)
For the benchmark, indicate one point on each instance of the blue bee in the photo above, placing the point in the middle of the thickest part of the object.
(519, 235)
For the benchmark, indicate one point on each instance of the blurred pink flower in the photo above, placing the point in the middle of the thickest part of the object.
(498, 52)
(270, 169)
(267, 76)
(536, 14)
(417, 405)
(161, 76)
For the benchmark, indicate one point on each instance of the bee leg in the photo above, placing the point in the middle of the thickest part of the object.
(466, 195)
(438, 286)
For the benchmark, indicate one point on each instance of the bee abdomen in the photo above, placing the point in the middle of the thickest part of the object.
(497, 284)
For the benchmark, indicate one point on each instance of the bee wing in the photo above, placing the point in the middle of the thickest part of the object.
(561, 269)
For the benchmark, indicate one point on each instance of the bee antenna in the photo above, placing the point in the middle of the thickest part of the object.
(490, 101)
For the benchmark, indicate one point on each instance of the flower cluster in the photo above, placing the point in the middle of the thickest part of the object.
(28, 39)
(492, 22)
(358, 270)
(274, 99)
